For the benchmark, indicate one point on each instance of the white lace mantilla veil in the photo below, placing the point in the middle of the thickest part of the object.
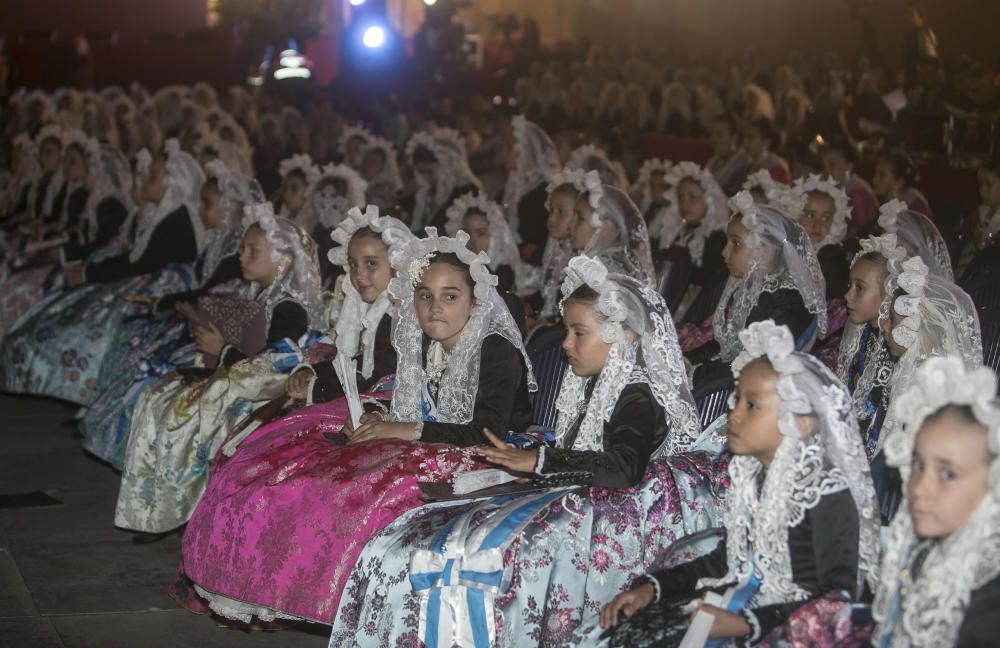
(640, 190)
(183, 178)
(302, 163)
(933, 605)
(557, 252)
(47, 132)
(781, 257)
(325, 206)
(590, 158)
(716, 218)
(918, 235)
(503, 249)
(89, 150)
(877, 368)
(820, 453)
(762, 179)
(113, 179)
(653, 359)
(389, 177)
(453, 171)
(621, 241)
(351, 132)
(298, 265)
(358, 321)
(460, 380)
(939, 319)
(236, 191)
(841, 204)
(536, 160)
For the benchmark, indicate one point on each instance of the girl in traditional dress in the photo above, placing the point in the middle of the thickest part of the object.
(380, 170)
(918, 235)
(298, 173)
(563, 190)
(801, 522)
(336, 190)
(824, 215)
(941, 570)
(442, 174)
(650, 193)
(535, 160)
(896, 177)
(461, 369)
(42, 196)
(182, 420)
(591, 158)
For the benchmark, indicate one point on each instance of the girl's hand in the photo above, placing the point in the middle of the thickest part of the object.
(727, 624)
(73, 276)
(628, 602)
(208, 339)
(298, 384)
(367, 417)
(186, 310)
(510, 458)
(142, 300)
(382, 430)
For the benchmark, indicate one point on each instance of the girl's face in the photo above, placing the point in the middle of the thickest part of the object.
(835, 165)
(561, 216)
(865, 292)
(293, 192)
(888, 325)
(255, 258)
(478, 227)
(948, 475)
(153, 187)
(736, 254)
(372, 164)
(583, 231)
(444, 302)
(691, 203)
(753, 422)
(885, 184)
(210, 210)
(989, 188)
(586, 352)
(817, 217)
(427, 171)
(49, 155)
(368, 264)
(74, 167)
(753, 143)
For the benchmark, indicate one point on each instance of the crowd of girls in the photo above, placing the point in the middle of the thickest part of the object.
(312, 367)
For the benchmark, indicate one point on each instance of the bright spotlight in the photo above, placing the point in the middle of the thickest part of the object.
(357, 3)
(430, 3)
(373, 37)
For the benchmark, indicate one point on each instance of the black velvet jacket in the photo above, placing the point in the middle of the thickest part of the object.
(327, 386)
(823, 549)
(501, 398)
(288, 320)
(172, 241)
(981, 626)
(836, 270)
(635, 430)
(228, 269)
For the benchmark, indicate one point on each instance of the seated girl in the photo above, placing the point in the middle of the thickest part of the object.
(940, 583)
(609, 227)
(136, 357)
(929, 316)
(298, 173)
(825, 215)
(839, 159)
(525, 194)
(442, 174)
(918, 235)
(364, 243)
(800, 522)
(380, 170)
(181, 421)
(57, 347)
(650, 193)
(591, 158)
(461, 368)
(337, 189)
(563, 190)
(774, 274)
(895, 178)
(24, 171)
(48, 184)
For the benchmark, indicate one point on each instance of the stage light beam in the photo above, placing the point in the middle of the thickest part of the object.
(373, 37)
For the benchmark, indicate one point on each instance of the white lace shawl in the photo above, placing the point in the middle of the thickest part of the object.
(933, 605)
(939, 319)
(621, 241)
(324, 205)
(353, 132)
(183, 177)
(841, 204)
(653, 359)
(804, 469)
(236, 192)
(358, 321)
(782, 257)
(503, 248)
(298, 277)
(453, 171)
(716, 216)
(537, 159)
(918, 235)
(460, 379)
(591, 158)
(112, 179)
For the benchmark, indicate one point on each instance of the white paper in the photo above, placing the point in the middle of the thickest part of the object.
(697, 633)
(468, 482)
(348, 375)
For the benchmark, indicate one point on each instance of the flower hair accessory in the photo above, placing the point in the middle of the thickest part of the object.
(650, 167)
(299, 162)
(595, 191)
(888, 214)
(912, 279)
(841, 203)
(768, 340)
(690, 170)
(744, 205)
(562, 178)
(590, 271)
(410, 262)
(468, 202)
(391, 231)
(260, 214)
